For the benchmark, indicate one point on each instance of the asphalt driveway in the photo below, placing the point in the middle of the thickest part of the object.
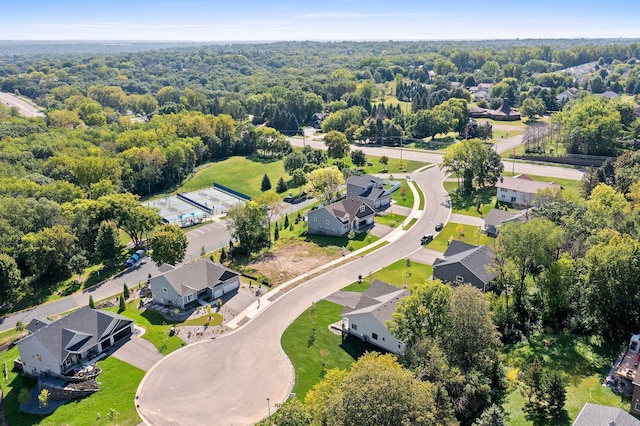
(138, 352)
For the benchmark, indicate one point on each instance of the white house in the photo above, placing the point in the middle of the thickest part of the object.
(183, 286)
(57, 347)
(367, 319)
(519, 190)
(340, 218)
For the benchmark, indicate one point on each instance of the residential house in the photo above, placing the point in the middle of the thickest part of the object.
(465, 263)
(56, 348)
(626, 372)
(519, 190)
(504, 113)
(340, 218)
(485, 86)
(456, 85)
(317, 119)
(496, 218)
(369, 189)
(183, 286)
(603, 415)
(367, 320)
(566, 96)
(481, 94)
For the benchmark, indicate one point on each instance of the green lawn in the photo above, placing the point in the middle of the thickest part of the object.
(422, 203)
(118, 383)
(238, 173)
(395, 274)
(157, 327)
(470, 235)
(394, 165)
(405, 200)
(361, 240)
(466, 203)
(410, 224)
(390, 219)
(306, 352)
(584, 363)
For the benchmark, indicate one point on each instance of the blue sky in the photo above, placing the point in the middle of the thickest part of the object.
(249, 20)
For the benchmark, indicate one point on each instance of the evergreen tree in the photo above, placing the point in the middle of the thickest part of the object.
(266, 183)
(282, 186)
(92, 304)
(126, 291)
(556, 394)
(492, 416)
(223, 255)
(286, 221)
(276, 233)
(122, 305)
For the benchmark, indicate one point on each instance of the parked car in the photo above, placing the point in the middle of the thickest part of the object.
(426, 239)
(132, 260)
(439, 226)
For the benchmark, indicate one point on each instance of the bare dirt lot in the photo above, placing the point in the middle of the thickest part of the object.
(295, 259)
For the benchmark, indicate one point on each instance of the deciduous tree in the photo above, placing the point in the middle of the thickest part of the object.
(337, 144)
(324, 183)
(168, 245)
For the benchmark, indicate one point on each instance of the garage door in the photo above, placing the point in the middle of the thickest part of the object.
(230, 287)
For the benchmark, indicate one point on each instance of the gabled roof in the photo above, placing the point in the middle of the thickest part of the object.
(476, 259)
(197, 276)
(504, 110)
(524, 184)
(37, 324)
(380, 300)
(602, 415)
(364, 180)
(497, 217)
(373, 193)
(608, 94)
(349, 208)
(78, 331)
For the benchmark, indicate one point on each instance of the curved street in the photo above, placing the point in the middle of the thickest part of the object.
(237, 379)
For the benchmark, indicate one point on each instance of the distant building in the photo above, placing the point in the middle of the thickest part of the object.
(496, 218)
(519, 190)
(626, 372)
(367, 320)
(369, 189)
(504, 113)
(317, 119)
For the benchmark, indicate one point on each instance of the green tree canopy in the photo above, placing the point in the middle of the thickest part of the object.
(168, 245)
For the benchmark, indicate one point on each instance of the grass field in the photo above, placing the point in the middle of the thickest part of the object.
(239, 173)
(407, 199)
(466, 203)
(118, 383)
(390, 219)
(306, 352)
(395, 274)
(470, 235)
(583, 362)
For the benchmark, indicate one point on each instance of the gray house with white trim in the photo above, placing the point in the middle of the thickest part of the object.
(465, 263)
(369, 189)
(57, 347)
(367, 320)
(183, 286)
(340, 218)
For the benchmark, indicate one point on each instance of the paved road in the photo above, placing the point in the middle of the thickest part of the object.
(25, 108)
(236, 373)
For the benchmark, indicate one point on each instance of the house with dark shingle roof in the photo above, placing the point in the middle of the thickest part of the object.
(367, 320)
(369, 189)
(340, 218)
(496, 218)
(504, 113)
(466, 264)
(520, 189)
(57, 347)
(183, 286)
(603, 415)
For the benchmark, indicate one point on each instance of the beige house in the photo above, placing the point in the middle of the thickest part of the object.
(519, 190)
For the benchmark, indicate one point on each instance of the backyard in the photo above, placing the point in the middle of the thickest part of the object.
(583, 361)
(466, 203)
(398, 274)
(470, 235)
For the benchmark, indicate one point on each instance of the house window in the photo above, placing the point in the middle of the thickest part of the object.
(362, 209)
(513, 199)
(503, 196)
(637, 406)
(315, 219)
(354, 326)
(374, 336)
(165, 290)
(459, 279)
